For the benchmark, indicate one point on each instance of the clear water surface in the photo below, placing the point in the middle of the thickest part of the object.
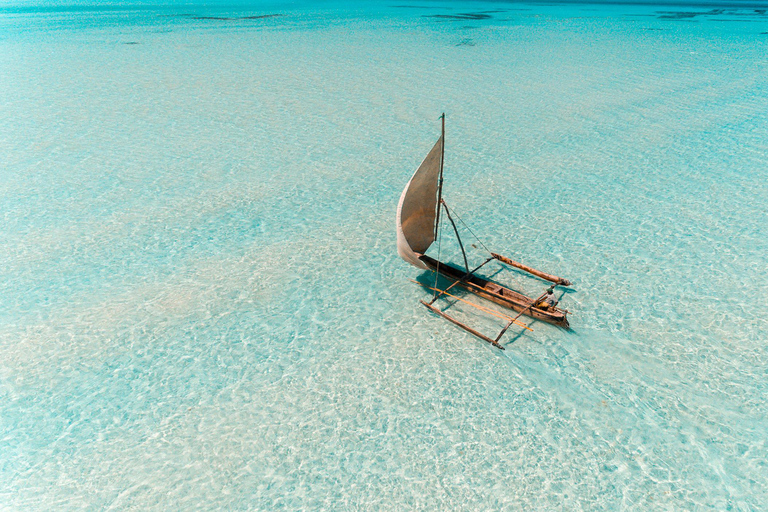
(201, 305)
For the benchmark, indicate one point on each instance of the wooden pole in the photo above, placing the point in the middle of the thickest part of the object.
(537, 273)
(503, 331)
(455, 230)
(463, 326)
(519, 315)
(440, 181)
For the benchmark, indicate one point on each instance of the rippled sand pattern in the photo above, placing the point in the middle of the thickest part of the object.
(202, 305)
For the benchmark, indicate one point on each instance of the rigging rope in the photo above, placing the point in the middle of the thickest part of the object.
(470, 230)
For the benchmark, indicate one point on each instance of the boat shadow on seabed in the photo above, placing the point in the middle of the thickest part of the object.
(435, 284)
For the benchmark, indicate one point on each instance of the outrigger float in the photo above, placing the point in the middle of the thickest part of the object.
(418, 226)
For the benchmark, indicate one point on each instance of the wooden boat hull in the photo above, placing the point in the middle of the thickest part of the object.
(497, 293)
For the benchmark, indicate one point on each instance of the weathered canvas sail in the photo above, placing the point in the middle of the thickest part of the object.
(417, 209)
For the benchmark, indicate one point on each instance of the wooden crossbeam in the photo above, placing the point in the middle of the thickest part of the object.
(478, 306)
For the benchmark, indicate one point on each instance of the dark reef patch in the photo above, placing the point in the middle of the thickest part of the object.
(687, 15)
(679, 15)
(263, 16)
(235, 18)
(460, 17)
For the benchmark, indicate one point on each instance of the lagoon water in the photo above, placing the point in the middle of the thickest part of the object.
(201, 304)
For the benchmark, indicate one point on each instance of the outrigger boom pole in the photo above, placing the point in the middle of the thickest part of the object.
(519, 315)
(537, 273)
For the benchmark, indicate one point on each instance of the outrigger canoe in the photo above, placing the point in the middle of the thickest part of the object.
(418, 221)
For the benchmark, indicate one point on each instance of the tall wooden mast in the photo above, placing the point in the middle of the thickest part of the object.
(440, 182)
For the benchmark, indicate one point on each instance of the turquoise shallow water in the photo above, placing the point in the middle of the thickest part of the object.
(202, 305)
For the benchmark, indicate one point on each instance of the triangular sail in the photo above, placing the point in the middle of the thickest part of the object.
(417, 210)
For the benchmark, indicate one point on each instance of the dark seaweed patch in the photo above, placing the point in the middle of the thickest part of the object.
(682, 15)
(679, 15)
(236, 18)
(460, 17)
(687, 15)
